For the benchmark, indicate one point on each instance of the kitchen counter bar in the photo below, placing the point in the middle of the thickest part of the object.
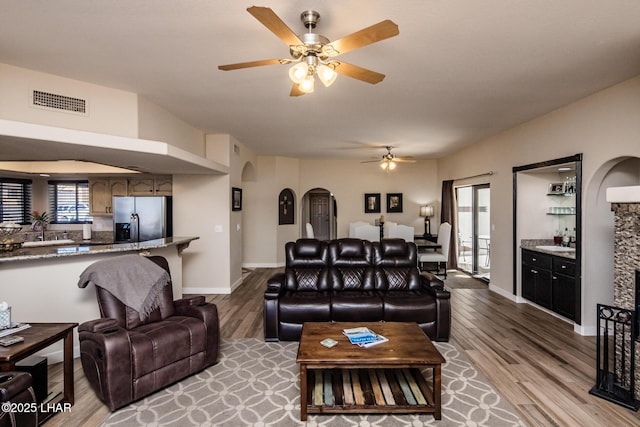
(91, 248)
(41, 283)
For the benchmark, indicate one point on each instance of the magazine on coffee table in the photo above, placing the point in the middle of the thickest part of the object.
(363, 337)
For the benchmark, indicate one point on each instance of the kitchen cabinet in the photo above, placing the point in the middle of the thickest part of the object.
(564, 287)
(550, 281)
(536, 278)
(101, 192)
(150, 185)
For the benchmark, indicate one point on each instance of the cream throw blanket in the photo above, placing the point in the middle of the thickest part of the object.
(133, 279)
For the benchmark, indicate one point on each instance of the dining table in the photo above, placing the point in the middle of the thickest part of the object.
(425, 245)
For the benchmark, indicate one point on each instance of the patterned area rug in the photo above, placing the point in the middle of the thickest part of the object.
(256, 384)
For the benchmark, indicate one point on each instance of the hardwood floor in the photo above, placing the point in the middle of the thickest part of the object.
(533, 359)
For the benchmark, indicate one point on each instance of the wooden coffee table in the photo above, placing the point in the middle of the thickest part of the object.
(384, 378)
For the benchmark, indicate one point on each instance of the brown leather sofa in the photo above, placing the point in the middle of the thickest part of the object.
(125, 359)
(357, 281)
(16, 388)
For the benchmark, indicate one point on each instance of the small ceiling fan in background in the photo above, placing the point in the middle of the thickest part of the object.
(313, 53)
(389, 160)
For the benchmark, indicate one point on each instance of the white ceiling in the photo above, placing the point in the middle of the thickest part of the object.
(459, 71)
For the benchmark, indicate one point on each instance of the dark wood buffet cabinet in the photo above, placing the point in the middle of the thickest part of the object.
(551, 282)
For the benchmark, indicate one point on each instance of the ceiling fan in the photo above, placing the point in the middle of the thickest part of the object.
(389, 160)
(313, 53)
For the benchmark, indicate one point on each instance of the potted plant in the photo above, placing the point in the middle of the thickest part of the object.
(39, 221)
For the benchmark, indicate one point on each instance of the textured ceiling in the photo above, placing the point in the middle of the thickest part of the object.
(458, 72)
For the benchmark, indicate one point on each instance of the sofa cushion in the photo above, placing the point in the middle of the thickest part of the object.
(350, 253)
(299, 307)
(307, 279)
(351, 265)
(162, 343)
(356, 306)
(409, 306)
(397, 279)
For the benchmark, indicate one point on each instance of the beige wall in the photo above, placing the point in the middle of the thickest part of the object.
(605, 127)
(157, 124)
(265, 239)
(111, 111)
(349, 180)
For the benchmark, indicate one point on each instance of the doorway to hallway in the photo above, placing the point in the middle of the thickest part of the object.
(474, 230)
(319, 209)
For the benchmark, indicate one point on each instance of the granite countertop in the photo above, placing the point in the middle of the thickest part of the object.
(534, 245)
(91, 248)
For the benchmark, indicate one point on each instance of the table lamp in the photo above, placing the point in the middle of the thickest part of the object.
(427, 212)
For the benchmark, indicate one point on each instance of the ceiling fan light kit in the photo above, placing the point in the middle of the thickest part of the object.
(312, 52)
(389, 161)
(388, 165)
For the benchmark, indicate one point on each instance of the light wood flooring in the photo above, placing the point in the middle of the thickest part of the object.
(533, 359)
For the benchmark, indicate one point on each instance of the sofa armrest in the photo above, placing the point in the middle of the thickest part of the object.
(275, 286)
(99, 325)
(429, 280)
(105, 353)
(198, 308)
(443, 308)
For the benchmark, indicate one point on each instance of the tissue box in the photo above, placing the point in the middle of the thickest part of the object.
(5, 318)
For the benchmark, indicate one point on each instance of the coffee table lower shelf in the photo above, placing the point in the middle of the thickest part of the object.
(367, 390)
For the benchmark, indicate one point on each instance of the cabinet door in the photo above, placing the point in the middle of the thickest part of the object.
(141, 186)
(118, 187)
(529, 282)
(99, 197)
(544, 294)
(564, 302)
(163, 185)
(101, 191)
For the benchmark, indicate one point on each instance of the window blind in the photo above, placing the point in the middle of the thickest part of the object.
(15, 205)
(69, 202)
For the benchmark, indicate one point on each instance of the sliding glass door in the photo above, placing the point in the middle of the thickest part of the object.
(474, 230)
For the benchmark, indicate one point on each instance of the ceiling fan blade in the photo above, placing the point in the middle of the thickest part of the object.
(375, 33)
(370, 161)
(295, 90)
(358, 73)
(403, 160)
(269, 19)
(249, 64)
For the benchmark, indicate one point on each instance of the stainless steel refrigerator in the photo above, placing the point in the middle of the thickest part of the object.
(141, 218)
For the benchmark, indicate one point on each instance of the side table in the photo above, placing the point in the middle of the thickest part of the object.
(36, 338)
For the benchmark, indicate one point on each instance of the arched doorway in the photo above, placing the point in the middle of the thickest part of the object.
(598, 274)
(320, 210)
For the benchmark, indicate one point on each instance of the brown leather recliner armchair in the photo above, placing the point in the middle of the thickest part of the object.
(16, 387)
(126, 359)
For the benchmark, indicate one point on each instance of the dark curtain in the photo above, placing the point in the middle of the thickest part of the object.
(448, 214)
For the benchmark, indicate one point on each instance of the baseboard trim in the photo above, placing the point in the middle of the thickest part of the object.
(502, 292)
(263, 265)
(199, 291)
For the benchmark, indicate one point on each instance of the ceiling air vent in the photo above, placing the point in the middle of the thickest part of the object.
(57, 102)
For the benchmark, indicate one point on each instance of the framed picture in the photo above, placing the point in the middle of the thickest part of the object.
(556, 188)
(372, 203)
(394, 202)
(236, 199)
(286, 208)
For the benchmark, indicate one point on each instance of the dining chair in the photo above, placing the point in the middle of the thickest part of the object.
(439, 256)
(367, 232)
(353, 225)
(403, 232)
